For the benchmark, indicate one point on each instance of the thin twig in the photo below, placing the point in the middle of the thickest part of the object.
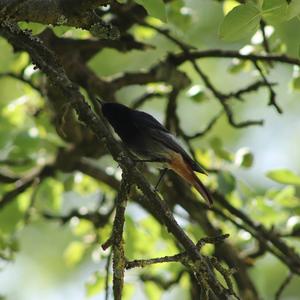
(206, 129)
(15, 163)
(161, 281)
(284, 252)
(142, 99)
(24, 183)
(284, 284)
(272, 94)
(98, 220)
(8, 178)
(265, 41)
(141, 263)
(218, 94)
(248, 89)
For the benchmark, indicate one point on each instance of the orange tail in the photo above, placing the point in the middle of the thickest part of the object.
(178, 165)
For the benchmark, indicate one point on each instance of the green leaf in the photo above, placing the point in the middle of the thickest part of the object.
(284, 176)
(11, 216)
(155, 8)
(259, 3)
(179, 16)
(296, 83)
(35, 28)
(226, 182)
(152, 291)
(69, 182)
(242, 21)
(217, 146)
(229, 5)
(83, 228)
(74, 253)
(131, 237)
(286, 197)
(95, 285)
(274, 11)
(197, 93)
(293, 9)
(296, 230)
(7, 53)
(238, 66)
(49, 195)
(244, 158)
(9, 245)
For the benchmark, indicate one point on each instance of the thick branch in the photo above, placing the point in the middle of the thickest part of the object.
(76, 13)
(117, 239)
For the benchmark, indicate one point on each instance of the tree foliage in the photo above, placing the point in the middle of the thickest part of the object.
(73, 197)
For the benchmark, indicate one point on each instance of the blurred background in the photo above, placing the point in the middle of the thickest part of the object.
(45, 259)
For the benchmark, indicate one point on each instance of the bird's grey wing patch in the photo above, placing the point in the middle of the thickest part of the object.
(169, 141)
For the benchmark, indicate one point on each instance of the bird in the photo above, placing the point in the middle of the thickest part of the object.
(150, 141)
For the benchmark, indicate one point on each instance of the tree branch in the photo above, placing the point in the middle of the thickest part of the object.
(117, 239)
(141, 263)
(180, 58)
(24, 183)
(77, 13)
(272, 93)
(221, 97)
(284, 284)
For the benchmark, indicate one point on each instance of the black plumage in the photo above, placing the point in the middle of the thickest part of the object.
(143, 134)
(151, 141)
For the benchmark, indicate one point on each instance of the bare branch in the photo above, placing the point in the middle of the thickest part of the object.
(141, 100)
(99, 220)
(272, 93)
(141, 263)
(77, 13)
(248, 89)
(162, 282)
(221, 97)
(8, 178)
(24, 183)
(265, 41)
(209, 126)
(284, 284)
(219, 53)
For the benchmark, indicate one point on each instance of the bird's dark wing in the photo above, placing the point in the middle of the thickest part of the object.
(169, 141)
(159, 133)
(144, 120)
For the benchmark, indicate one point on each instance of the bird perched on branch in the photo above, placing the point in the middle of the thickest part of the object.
(150, 141)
